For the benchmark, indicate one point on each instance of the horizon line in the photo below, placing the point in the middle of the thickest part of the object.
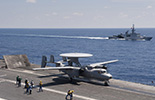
(77, 28)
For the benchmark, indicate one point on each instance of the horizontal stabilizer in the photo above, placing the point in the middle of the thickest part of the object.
(102, 63)
(57, 68)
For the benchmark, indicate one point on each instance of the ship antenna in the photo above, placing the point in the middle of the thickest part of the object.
(133, 29)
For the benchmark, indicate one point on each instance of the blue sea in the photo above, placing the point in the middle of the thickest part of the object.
(136, 58)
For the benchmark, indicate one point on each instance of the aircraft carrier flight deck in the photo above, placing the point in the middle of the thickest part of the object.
(56, 85)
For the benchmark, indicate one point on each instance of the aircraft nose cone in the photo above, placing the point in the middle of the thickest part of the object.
(110, 76)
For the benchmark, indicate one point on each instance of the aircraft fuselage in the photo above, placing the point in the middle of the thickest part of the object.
(97, 74)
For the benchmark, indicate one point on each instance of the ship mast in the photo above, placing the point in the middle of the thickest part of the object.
(133, 29)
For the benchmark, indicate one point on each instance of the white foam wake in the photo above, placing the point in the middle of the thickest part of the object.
(59, 36)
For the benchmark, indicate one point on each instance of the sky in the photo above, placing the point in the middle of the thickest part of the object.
(77, 13)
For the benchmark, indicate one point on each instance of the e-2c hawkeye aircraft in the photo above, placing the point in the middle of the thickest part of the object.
(74, 69)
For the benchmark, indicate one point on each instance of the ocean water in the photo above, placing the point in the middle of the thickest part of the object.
(136, 58)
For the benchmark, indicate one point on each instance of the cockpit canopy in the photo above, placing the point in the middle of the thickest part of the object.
(100, 71)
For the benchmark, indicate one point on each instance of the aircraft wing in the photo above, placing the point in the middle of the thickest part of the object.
(56, 68)
(102, 63)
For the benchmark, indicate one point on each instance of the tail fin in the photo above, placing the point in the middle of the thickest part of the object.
(51, 59)
(44, 61)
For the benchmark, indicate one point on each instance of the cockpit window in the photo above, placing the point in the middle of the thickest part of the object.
(100, 72)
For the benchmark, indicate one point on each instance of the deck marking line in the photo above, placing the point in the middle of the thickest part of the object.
(26, 71)
(2, 99)
(2, 75)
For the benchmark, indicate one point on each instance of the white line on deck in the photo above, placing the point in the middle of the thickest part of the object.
(26, 71)
(2, 99)
(2, 75)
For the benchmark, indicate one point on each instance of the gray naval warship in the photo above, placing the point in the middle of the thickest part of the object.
(130, 36)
